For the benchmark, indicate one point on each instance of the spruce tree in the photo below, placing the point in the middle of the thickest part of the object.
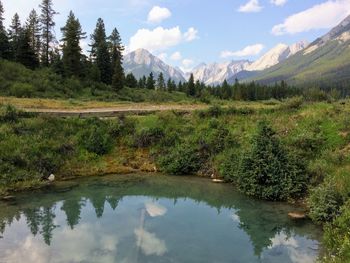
(267, 171)
(33, 27)
(191, 90)
(25, 53)
(99, 52)
(72, 34)
(130, 81)
(14, 35)
(150, 81)
(116, 51)
(160, 82)
(5, 50)
(47, 25)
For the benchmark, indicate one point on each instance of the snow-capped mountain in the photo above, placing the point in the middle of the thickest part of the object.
(141, 63)
(276, 55)
(216, 73)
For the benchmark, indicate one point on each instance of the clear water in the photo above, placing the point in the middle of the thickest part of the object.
(142, 218)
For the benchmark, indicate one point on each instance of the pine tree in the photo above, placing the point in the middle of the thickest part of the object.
(47, 25)
(142, 83)
(14, 35)
(99, 52)
(268, 171)
(160, 82)
(191, 91)
(2, 16)
(25, 53)
(33, 27)
(72, 34)
(130, 81)
(5, 50)
(116, 51)
(150, 81)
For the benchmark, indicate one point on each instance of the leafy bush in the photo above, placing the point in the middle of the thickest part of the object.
(294, 103)
(182, 160)
(149, 136)
(267, 171)
(96, 137)
(22, 90)
(324, 202)
(337, 237)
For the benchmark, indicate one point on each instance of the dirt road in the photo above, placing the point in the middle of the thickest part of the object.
(134, 109)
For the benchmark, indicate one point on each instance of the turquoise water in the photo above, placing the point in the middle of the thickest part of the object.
(141, 218)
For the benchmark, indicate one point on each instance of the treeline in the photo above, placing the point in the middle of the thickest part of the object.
(34, 45)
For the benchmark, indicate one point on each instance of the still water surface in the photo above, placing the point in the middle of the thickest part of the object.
(141, 218)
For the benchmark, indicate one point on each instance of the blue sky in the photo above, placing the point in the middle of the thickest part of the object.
(187, 32)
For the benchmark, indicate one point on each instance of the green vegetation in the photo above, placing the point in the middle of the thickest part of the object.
(300, 151)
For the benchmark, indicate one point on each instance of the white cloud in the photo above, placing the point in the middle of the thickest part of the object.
(252, 50)
(155, 210)
(176, 56)
(150, 243)
(191, 34)
(252, 6)
(278, 2)
(187, 65)
(321, 16)
(187, 62)
(158, 14)
(159, 38)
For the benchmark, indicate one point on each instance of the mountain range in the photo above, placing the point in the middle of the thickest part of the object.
(326, 60)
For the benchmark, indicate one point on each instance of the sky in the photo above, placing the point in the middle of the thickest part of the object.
(185, 33)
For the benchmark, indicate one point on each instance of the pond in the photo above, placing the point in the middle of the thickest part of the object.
(151, 218)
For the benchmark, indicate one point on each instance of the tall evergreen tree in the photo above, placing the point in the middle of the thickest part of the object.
(33, 27)
(72, 34)
(130, 81)
(191, 90)
(14, 35)
(47, 25)
(5, 51)
(161, 82)
(99, 52)
(150, 81)
(116, 51)
(25, 53)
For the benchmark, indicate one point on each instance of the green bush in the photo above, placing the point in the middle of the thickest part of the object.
(337, 237)
(22, 90)
(96, 137)
(267, 171)
(182, 160)
(148, 137)
(294, 103)
(324, 202)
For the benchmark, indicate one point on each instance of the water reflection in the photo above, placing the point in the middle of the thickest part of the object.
(148, 219)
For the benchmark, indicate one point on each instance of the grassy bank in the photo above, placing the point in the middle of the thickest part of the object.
(310, 139)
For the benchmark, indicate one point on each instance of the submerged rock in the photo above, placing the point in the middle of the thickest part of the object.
(297, 215)
(8, 198)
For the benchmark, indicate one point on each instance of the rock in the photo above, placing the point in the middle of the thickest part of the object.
(8, 198)
(297, 215)
(51, 178)
(218, 181)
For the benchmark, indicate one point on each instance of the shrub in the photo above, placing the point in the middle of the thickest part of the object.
(324, 202)
(182, 160)
(22, 90)
(148, 137)
(96, 137)
(294, 103)
(267, 171)
(337, 237)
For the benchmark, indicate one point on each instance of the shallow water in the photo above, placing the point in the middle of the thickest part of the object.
(142, 218)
